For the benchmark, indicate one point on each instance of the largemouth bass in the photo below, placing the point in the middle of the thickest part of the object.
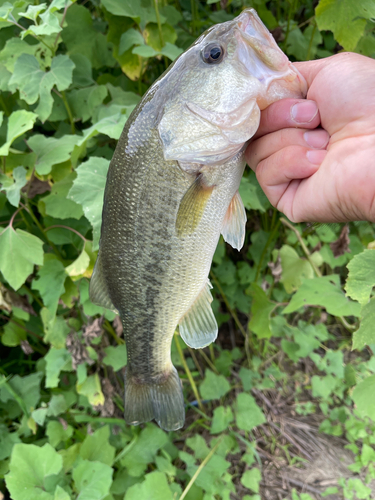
(172, 189)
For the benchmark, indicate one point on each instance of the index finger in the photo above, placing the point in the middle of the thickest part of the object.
(288, 113)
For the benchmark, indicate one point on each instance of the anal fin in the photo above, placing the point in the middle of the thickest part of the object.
(192, 207)
(198, 326)
(234, 225)
(98, 289)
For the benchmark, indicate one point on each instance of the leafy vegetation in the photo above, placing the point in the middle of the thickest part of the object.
(287, 304)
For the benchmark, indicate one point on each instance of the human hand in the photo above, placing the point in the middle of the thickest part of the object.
(321, 175)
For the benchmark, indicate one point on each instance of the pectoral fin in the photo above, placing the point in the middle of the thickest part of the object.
(198, 327)
(98, 289)
(234, 225)
(192, 207)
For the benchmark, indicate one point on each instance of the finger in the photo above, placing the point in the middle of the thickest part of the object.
(276, 172)
(269, 144)
(288, 113)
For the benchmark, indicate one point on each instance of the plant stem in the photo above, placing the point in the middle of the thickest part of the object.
(159, 23)
(303, 246)
(270, 238)
(199, 470)
(69, 111)
(311, 42)
(108, 327)
(232, 312)
(188, 372)
(66, 227)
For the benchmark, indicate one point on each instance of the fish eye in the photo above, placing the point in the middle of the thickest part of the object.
(212, 53)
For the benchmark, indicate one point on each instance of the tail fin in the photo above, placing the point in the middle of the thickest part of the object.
(164, 402)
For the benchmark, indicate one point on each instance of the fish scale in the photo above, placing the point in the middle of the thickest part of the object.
(172, 188)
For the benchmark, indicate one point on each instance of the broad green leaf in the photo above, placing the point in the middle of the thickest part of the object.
(92, 480)
(88, 191)
(97, 448)
(152, 35)
(363, 397)
(155, 487)
(214, 386)
(8, 440)
(80, 37)
(24, 390)
(57, 405)
(91, 388)
(171, 51)
(80, 265)
(115, 357)
(248, 413)
(19, 122)
(84, 102)
(50, 25)
(222, 417)
(303, 45)
(50, 284)
(33, 11)
(337, 15)
(12, 187)
(251, 479)
(29, 467)
(249, 192)
(59, 204)
(57, 433)
(150, 440)
(127, 8)
(144, 51)
(325, 292)
(128, 39)
(51, 151)
(323, 386)
(61, 494)
(13, 334)
(14, 47)
(110, 125)
(361, 277)
(55, 328)
(56, 361)
(365, 335)
(19, 251)
(39, 415)
(33, 83)
(261, 310)
(199, 446)
(294, 269)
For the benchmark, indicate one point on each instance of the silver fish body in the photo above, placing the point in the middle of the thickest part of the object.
(172, 188)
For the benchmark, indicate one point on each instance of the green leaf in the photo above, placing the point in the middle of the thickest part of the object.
(97, 448)
(365, 335)
(19, 122)
(84, 102)
(24, 390)
(115, 357)
(29, 467)
(303, 45)
(56, 361)
(50, 284)
(12, 187)
(33, 11)
(361, 276)
(51, 151)
(128, 39)
(61, 494)
(248, 413)
(171, 51)
(143, 452)
(325, 292)
(49, 26)
(58, 204)
(127, 8)
(109, 125)
(249, 191)
(261, 310)
(91, 388)
(55, 328)
(88, 191)
(222, 417)
(144, 51)
(19, 251)
(57, 433)
(57, 405)
(13, 334)
(214, 386)
(322, 387)
(8, 440)
(79, 265)
(155, 487)
(92, 480)
(336, 15)
(199, 446)
(294, 269)
(33, 83)
(251, 479)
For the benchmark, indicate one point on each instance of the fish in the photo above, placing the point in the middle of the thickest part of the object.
(171, 190)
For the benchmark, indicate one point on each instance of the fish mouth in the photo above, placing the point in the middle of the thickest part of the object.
(254, 33)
